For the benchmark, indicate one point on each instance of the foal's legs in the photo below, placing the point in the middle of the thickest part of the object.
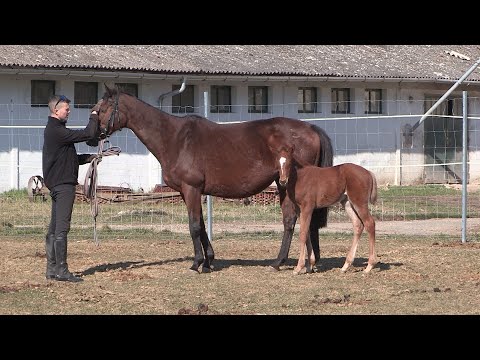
(369, 222)
(318, 220)
(289, 219)
(363, 220)
(305, 218)
(357, 232)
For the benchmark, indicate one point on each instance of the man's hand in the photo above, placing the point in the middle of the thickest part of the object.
(96, 108)
(93, 157)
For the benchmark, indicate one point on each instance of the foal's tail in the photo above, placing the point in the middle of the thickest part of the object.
(373, 190)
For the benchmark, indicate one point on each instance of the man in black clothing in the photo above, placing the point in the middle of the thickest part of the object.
(60, 172)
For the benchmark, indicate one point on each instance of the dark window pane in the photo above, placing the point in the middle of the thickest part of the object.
(128, 88)
(184, 102)
(258, 99)
(86, 94)
(41, 91)
(221, 100)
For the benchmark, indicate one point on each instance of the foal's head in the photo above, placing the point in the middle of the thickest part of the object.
(284, 162)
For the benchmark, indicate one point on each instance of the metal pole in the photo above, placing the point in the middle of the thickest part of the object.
(209, 197)
(434, 106)
(464, 168)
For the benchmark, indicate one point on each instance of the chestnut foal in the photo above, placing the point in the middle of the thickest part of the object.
(311, 187)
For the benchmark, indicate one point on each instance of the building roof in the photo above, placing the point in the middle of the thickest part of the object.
(429, 62)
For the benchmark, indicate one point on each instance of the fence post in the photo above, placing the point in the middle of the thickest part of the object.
(209, 197)
(464, 167)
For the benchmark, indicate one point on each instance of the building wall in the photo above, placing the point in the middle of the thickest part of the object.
(373, 142)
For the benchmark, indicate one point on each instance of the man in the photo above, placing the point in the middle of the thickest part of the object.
(60, 172)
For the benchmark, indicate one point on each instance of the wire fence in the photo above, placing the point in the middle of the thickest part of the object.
(419, 176)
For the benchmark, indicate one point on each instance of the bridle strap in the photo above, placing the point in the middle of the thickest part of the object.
(114, 114)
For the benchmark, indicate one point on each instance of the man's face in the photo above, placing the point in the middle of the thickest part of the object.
(62, 110)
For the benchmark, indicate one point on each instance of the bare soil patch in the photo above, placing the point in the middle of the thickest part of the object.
(416, 274)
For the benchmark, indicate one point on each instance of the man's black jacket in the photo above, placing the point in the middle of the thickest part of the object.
(60, 160)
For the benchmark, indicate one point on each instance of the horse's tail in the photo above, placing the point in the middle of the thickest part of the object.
(319, 216)
(373, 191)
(326, 149)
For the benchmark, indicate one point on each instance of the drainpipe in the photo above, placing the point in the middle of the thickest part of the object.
(434, 106)
(173, 93)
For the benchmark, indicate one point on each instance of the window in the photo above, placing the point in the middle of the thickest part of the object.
(128, 88)
(307, 100)
(373, 101)
(258, 99)
(221, 99)
(183, 102)
(41, 91)
(86, 94)
(340, 101)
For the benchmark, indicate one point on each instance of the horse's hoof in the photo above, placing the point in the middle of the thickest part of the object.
(367, 269)
(206, 269)
(274, 268)
(194, 269)
(299, 272)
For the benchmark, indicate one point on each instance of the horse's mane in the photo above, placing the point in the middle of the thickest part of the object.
(114, 92)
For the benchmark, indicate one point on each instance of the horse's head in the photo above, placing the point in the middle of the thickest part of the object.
(109, 113)
(284, 163)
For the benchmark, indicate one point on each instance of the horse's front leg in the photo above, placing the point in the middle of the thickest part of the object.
(289, 219)
(192, 198)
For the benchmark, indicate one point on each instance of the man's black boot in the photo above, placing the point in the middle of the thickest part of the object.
(50, 253)
(61, 256)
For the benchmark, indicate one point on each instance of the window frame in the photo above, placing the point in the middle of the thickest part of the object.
(369, 101)
(181, 102)
(302, 103)
(85, 94)
(215, 106)
(336, 102)
(125, 87)
(258, 93)
(39, 96)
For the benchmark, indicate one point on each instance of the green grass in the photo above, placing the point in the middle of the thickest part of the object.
(20, 216)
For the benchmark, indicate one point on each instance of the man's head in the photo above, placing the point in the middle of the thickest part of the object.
(59, 106)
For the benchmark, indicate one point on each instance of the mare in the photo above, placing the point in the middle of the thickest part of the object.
(310, 187)
(235, 160)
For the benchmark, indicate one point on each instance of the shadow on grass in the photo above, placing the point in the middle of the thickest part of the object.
(128, 265)
(326, 264)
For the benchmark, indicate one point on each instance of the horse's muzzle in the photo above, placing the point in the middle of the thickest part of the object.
(283, 182)
(103, 134)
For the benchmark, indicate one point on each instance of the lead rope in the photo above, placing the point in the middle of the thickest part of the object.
(90, 184)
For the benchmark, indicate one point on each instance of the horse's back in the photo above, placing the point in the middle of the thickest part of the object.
(360, 181)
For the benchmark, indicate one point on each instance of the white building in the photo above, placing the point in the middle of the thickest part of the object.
(363, 96)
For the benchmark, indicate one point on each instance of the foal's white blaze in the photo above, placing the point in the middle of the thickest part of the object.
(282, 162)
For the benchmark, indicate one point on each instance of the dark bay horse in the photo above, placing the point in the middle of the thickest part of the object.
(199, 156)
(311, 187)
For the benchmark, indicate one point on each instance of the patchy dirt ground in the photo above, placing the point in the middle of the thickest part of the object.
(421, 273)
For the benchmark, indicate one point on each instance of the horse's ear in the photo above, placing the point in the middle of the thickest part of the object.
(108, 90)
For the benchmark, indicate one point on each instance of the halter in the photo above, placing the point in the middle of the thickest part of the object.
(114, 114)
